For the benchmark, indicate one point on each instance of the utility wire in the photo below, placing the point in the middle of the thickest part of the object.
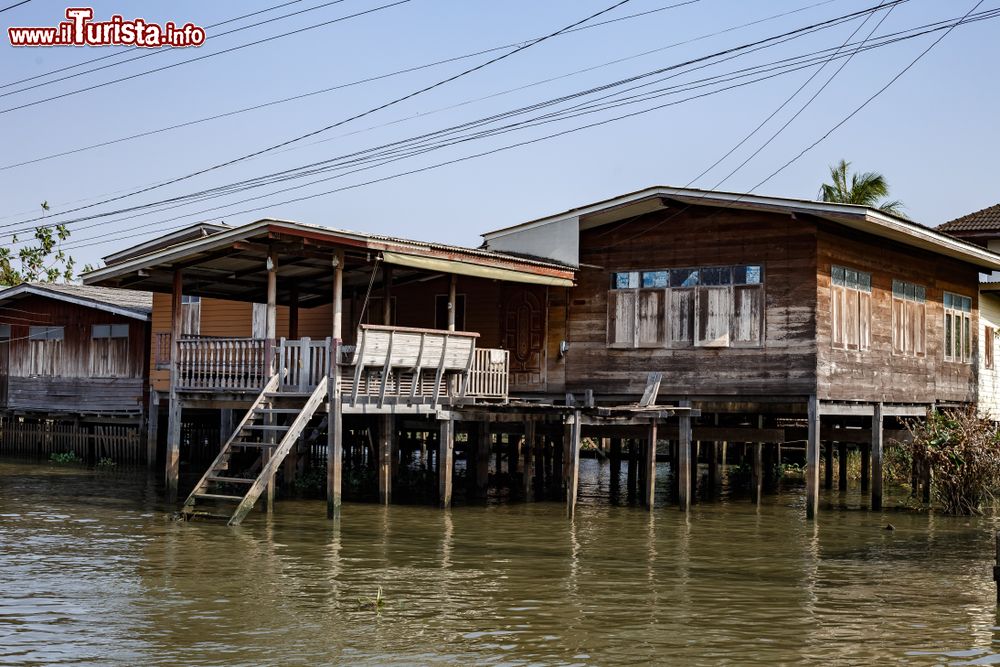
(16, 4)
(370, 111)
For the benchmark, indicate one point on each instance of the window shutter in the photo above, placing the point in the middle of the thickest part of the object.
(852, 328)
(837, 296)
(865, 320)
(714, 316)
(621, 318)
(652, 327)
(747, 314)
(682, 316)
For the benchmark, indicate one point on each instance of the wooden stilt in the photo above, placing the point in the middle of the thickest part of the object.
(812, 459)
(483, 461)
(842, 466)
(866, 451)
(631, 475)
(558, 469)
(713, 466)
(649, 489)
(334, 415)
(152, 428)
(386, 441)
(616, 465)
(446, 461)
(528, 448)
(173, 454)
(573, 482)
(684, 459)
(758, 472)
(877, 458)
(828, 467)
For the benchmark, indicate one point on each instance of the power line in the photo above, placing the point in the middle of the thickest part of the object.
(370, 111)
(206, 56)
(386, 75)
(16, 4)
(95, 239)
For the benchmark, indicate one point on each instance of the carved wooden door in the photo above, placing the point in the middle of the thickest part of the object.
(523, 329)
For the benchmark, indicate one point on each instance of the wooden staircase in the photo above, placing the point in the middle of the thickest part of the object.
(250, 458)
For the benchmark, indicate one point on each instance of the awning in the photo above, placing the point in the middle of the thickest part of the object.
(477, 270)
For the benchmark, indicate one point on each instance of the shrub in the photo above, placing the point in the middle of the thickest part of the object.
(963, 450)
(64, 457)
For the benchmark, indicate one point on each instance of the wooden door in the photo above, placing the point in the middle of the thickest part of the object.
(523, 328)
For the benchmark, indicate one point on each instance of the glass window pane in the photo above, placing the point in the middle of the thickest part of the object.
(967, 304)
(947, 300)
(4, 331)
(898, 288)
(683, 277)
(716, 276)
(626, 280)
(838, 275)
(864, 281)
(947, 334)
(920, 293)
(909, 291)
(654, 279)
(101, 331)
(754, 274)
(185, 298)
(119, 331)
(55, 333)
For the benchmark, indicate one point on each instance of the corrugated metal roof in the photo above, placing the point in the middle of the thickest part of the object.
(987, 219)
(134, 301)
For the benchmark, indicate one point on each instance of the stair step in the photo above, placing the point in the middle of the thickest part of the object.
(253, 444)
(217, 496)
(288, 394)
(231, 480)
(277, 411)
(265, 427)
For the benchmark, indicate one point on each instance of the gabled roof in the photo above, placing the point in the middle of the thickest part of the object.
(195, 231)
(985, 220)
(861, 218)
(128, 303)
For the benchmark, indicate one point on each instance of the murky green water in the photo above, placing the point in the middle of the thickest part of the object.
(93, 571)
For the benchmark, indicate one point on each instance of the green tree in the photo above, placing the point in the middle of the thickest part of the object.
(866, 189)
(39, 260)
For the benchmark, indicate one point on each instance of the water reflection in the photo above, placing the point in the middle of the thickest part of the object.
(93, 571)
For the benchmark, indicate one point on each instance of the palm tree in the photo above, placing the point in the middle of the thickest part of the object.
(868, 189)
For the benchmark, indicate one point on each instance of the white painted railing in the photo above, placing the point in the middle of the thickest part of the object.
(220, 364)
(488, 376)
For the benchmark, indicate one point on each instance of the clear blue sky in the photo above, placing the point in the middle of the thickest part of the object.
(933, 134)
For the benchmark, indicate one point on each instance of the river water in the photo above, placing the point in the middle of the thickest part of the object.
(94, 571)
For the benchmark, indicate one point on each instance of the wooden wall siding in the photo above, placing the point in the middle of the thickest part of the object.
(989, 378)
(879, 374)
(74, 356)
(63, 394)
(784, 364)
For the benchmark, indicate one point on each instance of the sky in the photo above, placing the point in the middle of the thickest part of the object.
(932, 133)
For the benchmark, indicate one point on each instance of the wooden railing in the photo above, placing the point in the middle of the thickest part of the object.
(161, 350)
(488, 377)
(305, 362)
(220, 364)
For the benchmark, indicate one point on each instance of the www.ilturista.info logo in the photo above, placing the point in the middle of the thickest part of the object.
(80, 30)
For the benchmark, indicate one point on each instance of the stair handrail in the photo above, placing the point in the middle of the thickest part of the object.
(270, 387)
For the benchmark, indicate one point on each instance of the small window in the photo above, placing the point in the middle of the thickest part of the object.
(909, 314)
(957, 328)
(187, 298)
(654, 279)
(716, 276)
(850, 308)
(684, 277)
(441, 312)
(747, 275)
(4, 331)
(45, 333)
(989, 342)
(625, 280)
(109, 331)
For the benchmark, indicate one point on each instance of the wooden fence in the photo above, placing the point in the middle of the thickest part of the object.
(41, 438)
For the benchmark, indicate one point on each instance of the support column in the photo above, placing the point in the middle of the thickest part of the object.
(633, 463)
(529, 459)
(684, 458)
(866, 451)
(757, 477)
(453, 301)
(386, 446)
(713, 466)
(877, 458)
(649, 491)
(386, 294)
(812, 459)
(152, 428)
(483, 461)
(573, 480)
(828, 468)
(446, 461)
(334, 416)
(172, 466)
(272, 311)
(225, 426)
(842, 466)
(616, 464)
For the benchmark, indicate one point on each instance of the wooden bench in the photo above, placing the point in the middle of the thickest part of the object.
(400, 350)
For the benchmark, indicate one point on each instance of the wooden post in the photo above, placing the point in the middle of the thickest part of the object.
(272, 311)
(616, 464)
(386, 294)
(386, 447)
(633, 463)
(152, 428)
(866, 451)
(225, 426)
(529, 460)
(684, 458)
(842, 466)
(713, 466)
(877, 457)
(483, 461)
(812, 459)
(758, 472)
(649, 490)
(174, 416)
(573, 480)
(446, 461)
(293, 312)
(558, 467)
(334, 416)
(452, 301)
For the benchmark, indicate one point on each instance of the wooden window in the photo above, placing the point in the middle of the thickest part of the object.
(957, 328)
(718, 306)
(45, 345)
(109, 350)
(850, 308)
(441, 311)
(190, 315)
(989, 343)
(909, 314)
